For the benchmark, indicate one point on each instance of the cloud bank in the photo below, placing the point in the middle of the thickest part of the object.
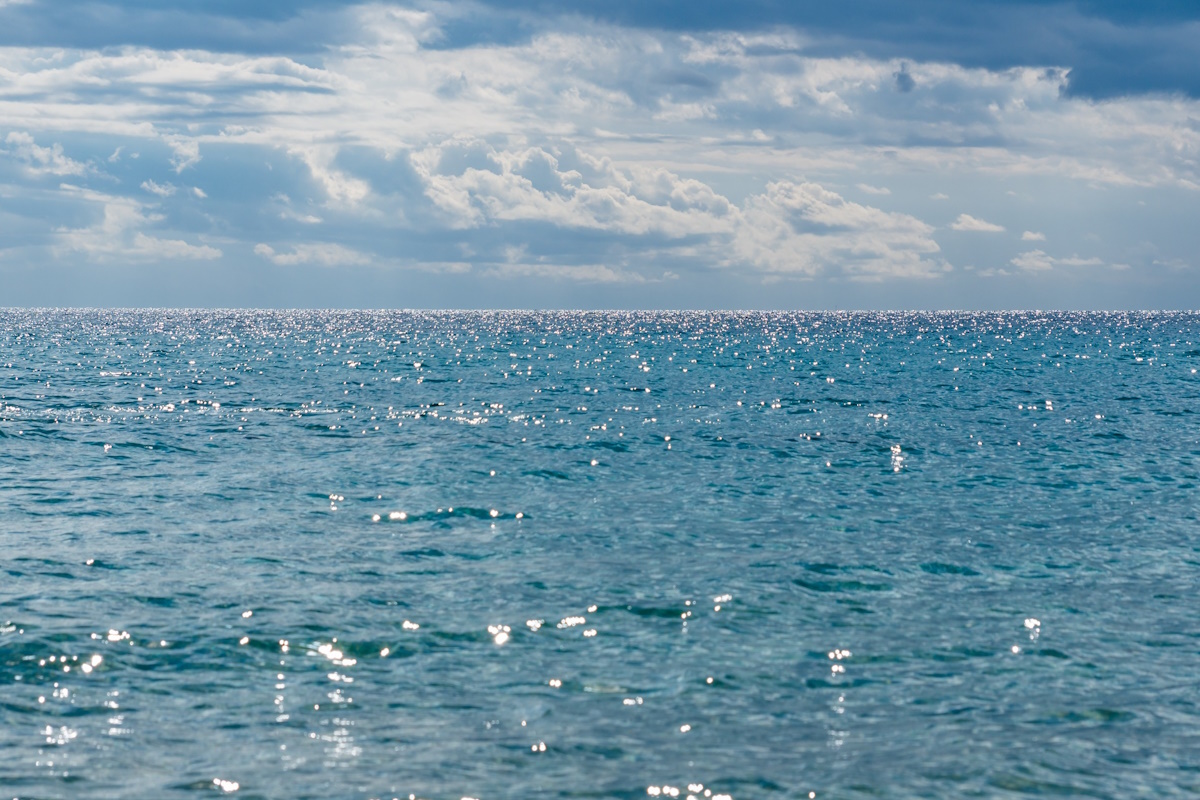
(613, 152)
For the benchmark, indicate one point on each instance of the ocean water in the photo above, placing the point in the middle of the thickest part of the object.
(618, 555)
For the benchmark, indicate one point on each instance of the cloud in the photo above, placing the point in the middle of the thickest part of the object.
(340, 188)
(531, 185)
(119, 235)
(323, 254)
(565, 144)
(966, 222)
(804, 229)
(145, 246)
(1039, 261)
(162, 190)
(1032, 236)
(1033, 261)
(792, 229)
(1076, 261)
(295, 216)
(1112, 48)
(738, 89)
(186, 152)
(198, 192)
(42, 160)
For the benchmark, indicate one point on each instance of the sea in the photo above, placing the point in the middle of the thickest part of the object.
(517, 555)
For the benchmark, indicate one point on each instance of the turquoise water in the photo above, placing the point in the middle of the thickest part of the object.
(551, 555)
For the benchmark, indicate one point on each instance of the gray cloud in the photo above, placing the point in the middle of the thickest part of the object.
(595, 153)
(1111, 48)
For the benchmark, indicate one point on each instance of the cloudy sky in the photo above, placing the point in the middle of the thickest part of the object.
(595, 154)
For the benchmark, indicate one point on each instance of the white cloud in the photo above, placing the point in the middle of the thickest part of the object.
(1033, 236)
(1033, 261)
(162, 190)
(341, 189)
(713, 148)
(198, 192)
(152, 247)
(797, 229)
(804, 229)
(118, 233)
(966, 222)
(186, 152)
(389, 90)
(1039, 261)
(295, 216)
(323, 254)
(43, 160)
(633, 200)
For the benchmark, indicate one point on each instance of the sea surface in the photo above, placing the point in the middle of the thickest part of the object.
(598, 555)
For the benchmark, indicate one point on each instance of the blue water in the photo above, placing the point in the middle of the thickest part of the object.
(551, 555)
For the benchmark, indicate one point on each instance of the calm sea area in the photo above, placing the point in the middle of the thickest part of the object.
(521, 555)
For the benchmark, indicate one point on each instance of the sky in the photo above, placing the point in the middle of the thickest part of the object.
(772, 154)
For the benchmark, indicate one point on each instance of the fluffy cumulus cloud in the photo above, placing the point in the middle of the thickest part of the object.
(120, 233)
(805, 229)
(41, 160)
(581, 150)
(790, 229)
(966, 222)
(531, 185)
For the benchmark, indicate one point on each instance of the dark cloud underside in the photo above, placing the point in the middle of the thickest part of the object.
(1112, 48)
